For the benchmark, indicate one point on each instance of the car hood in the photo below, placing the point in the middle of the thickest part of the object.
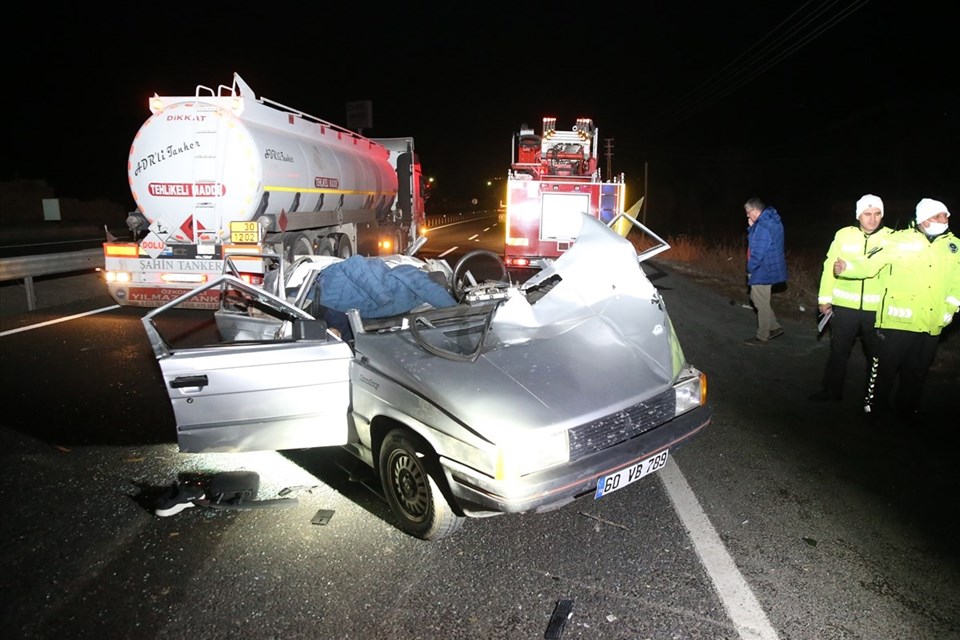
(598, 341)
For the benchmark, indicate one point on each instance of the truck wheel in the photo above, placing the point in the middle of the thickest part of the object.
(298, 245)
(343, 247)
(327, 246)
(412, 491)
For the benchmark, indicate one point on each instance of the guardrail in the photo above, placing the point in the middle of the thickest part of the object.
(27, 268)
(436, 220)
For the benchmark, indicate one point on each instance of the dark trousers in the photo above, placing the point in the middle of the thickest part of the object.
(845, 325)
(905, 357)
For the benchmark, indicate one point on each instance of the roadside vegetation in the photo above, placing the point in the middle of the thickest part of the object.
(721, 265)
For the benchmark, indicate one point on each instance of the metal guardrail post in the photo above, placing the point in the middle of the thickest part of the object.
(31, 294)
(26, 268)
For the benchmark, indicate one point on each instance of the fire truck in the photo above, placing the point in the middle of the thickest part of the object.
(554, 177)
(223, 173)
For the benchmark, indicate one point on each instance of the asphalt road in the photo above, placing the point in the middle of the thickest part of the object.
(837, 531)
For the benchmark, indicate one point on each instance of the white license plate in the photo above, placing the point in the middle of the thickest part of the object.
(629, 475)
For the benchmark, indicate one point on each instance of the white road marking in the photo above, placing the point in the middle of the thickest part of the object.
(742, 606)
(58, 320)
(447, 252)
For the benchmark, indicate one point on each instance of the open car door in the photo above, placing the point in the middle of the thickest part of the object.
(273, 392)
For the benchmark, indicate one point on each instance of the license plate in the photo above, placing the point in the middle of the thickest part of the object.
(244, 232)
(629, 475)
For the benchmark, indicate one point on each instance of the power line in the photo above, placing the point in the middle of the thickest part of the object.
(757, 59)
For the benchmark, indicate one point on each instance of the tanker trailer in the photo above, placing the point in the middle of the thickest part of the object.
(223, 172)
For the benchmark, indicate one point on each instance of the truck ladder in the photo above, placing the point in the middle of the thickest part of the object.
(206, 168)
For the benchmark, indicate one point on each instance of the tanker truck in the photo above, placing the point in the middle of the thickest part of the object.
(225, 173)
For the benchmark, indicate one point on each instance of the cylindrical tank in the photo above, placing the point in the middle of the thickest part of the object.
(198, 164)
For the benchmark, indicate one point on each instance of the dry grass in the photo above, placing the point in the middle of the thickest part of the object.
(723, 264)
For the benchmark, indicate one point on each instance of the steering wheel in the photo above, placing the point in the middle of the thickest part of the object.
(458, 287)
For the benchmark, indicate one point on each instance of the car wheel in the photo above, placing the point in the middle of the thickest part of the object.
(412, 491)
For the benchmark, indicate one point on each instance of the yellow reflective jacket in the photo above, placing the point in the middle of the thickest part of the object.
(921, 288)
(850, 243)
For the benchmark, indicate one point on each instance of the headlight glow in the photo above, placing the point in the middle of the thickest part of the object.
(534, 452)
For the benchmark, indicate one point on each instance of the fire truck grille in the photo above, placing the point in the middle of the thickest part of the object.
(622, 425)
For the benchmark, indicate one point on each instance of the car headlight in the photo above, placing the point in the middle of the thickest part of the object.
(691, 392)
(530, 453)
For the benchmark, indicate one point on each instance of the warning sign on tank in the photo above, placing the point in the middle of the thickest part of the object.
(186, 189)
(153, 245)
(326, 183)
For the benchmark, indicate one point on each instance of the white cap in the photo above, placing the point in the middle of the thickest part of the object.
(928, 208)
(867, 202)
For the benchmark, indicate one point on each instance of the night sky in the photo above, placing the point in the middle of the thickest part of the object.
(807, 105)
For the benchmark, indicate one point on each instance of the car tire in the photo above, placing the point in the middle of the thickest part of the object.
(413, 491)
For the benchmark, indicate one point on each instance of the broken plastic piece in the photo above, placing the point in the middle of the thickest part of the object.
(233, 487)
(561, 613)
(322, 516)
(300, 487)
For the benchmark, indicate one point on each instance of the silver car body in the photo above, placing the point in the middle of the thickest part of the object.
(523, 397)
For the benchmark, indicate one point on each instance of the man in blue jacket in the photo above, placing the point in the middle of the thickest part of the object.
(766, 266)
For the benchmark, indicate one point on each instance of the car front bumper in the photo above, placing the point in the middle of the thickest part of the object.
(479, 494)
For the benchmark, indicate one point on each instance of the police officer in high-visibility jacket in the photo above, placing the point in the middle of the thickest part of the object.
(921, 295)
(852, 303)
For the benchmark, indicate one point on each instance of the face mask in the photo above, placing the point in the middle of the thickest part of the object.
(935, 228)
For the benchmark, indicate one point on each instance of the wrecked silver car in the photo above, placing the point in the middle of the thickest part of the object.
(511, 398)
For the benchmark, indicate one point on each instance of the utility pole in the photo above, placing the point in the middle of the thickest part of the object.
(609, 153)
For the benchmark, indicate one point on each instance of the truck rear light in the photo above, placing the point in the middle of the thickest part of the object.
(240, 249)
(518, 262)
(184, 278)
(121, 250)
(386, 246)
(252, 278)
(117, 276)
(517, 242)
